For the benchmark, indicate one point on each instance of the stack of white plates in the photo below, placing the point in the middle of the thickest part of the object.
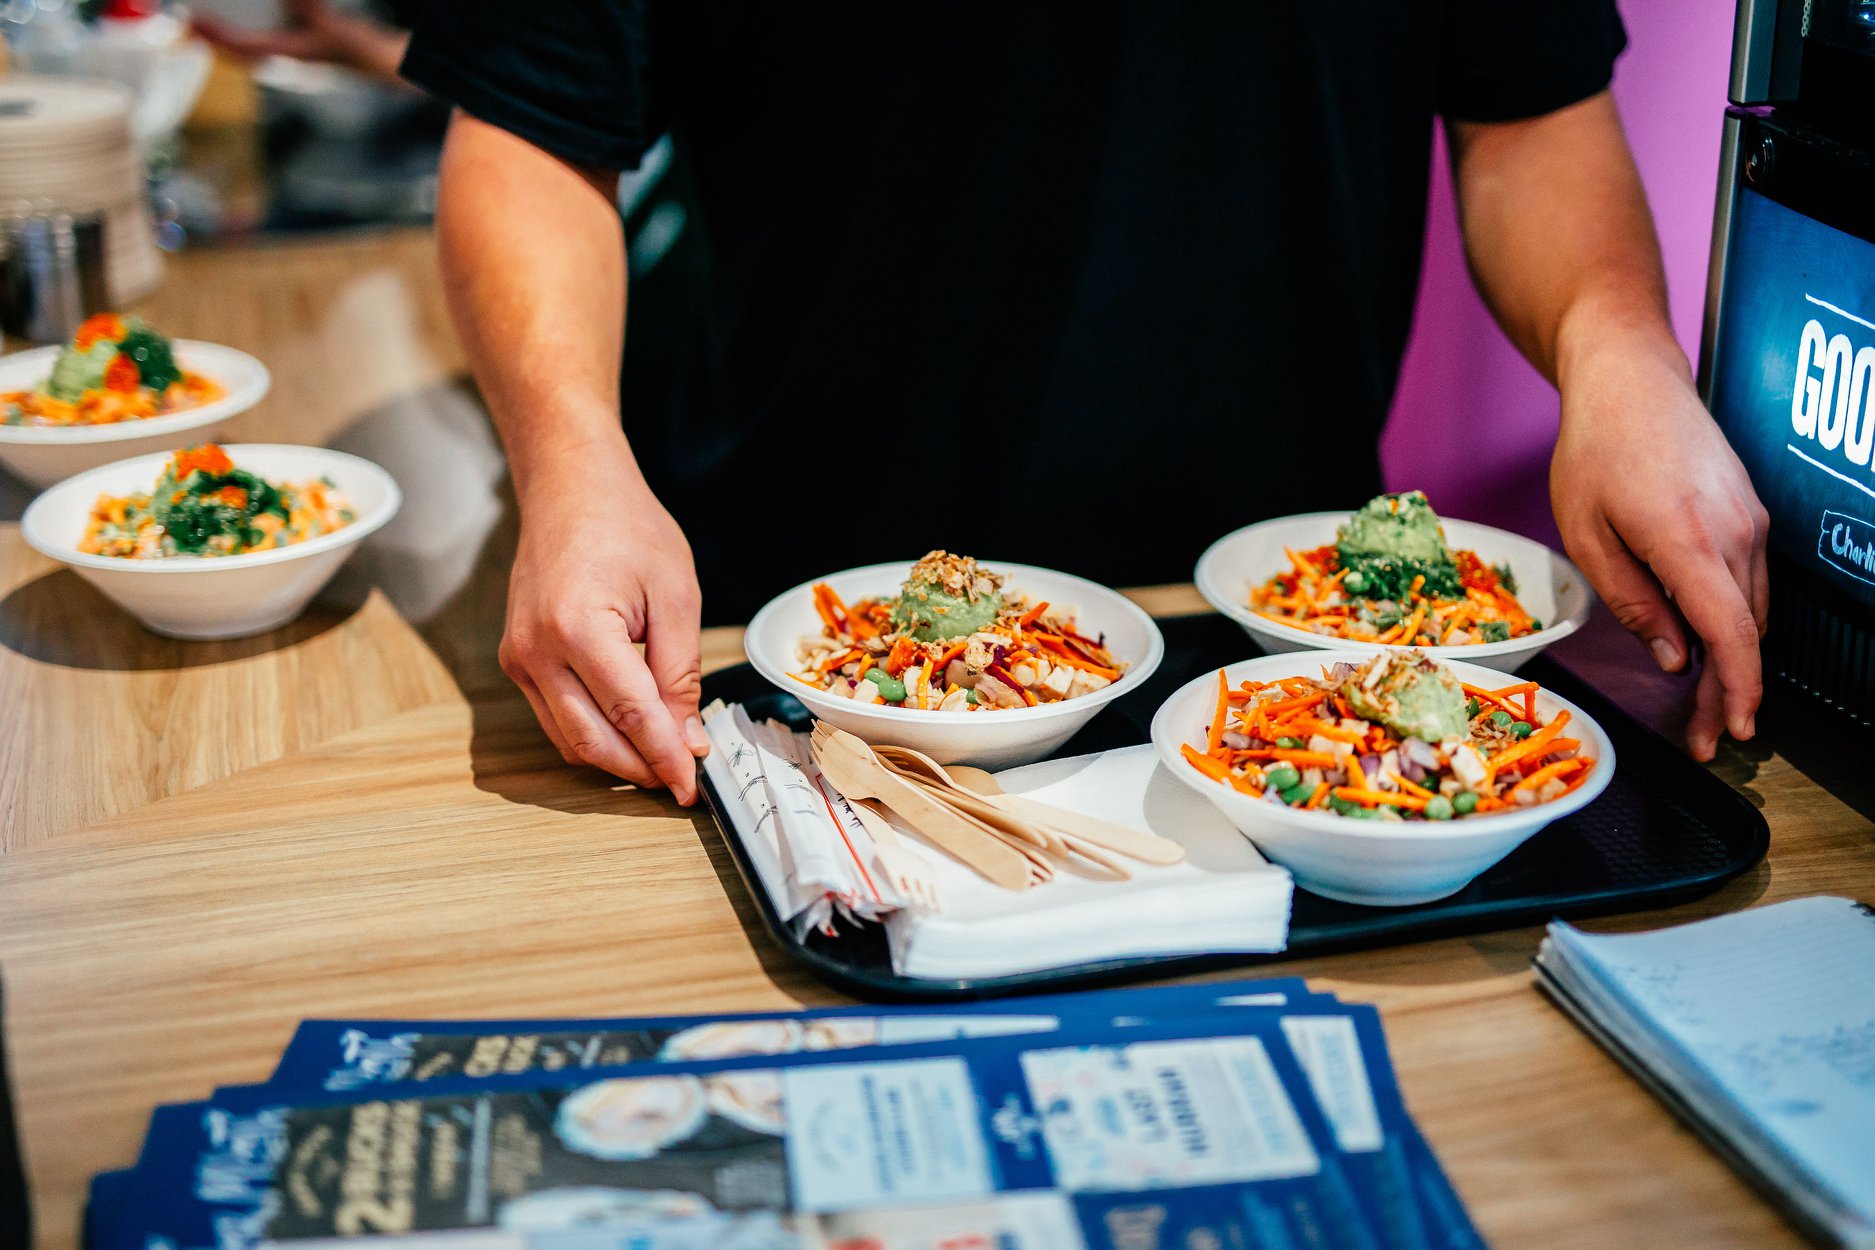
(65, 146)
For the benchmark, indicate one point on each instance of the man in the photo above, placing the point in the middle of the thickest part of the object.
(1083, 284)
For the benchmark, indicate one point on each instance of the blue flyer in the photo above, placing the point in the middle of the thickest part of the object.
(352, 1054)
(1078, 1138)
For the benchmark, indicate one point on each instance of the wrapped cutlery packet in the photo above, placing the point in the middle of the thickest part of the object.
(973, 875)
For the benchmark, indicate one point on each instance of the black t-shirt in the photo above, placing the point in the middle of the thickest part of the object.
(1084, 286)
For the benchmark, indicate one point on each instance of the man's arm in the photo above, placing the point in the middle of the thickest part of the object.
(1651, 501)
(533, 257)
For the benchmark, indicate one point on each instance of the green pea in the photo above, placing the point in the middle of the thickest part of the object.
(1283, 777)
(1438, 807)
(1521, 728)
(1501, 717)
(1289, 744)
(1465, 802)
(891, 689)
(1471, 709)
(1535, 624)
(1296, 796)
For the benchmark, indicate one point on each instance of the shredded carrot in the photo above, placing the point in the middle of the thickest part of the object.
(823, 604)
(1357, 776)
(1215, 769)
(943, 661)
(1528, 747)
(1304, 759)
(1320, 796)
(1296, 704)
(900, 657)
(865, 663)
(1413, 787)
(1216, 738)
(1032, 615)
(1536, 779)
(1379, 798)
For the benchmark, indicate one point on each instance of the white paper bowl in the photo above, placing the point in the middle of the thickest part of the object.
(1361, 861)
(998, 739)
(214, 596)
(46, 454)
(1550, 588)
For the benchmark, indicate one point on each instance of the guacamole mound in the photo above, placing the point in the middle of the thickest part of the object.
(946, 597)
(1392, 540)
(1412, 695)
(77, 372)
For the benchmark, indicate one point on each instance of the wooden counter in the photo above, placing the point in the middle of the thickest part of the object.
(205, 843)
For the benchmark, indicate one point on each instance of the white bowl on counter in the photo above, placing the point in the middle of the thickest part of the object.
(44, 454)
(1379, 864)
(1551, 589)
(988, 739)
(214, 596)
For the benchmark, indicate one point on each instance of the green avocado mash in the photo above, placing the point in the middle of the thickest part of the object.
(946, 597)
(1414, 696)
(932, 614)
(1392, 540)
(77, 372)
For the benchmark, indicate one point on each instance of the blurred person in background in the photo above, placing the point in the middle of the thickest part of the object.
(1089, 286)
(313, 30)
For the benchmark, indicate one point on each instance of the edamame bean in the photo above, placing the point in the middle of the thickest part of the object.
(1465, 802)
(1500, 717)
(1283, 777)
(1521, 729)
(1438, 807)
(1289, 744)
(1297, 795)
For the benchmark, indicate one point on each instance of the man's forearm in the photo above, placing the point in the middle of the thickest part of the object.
(1559, 237)
(533, 258)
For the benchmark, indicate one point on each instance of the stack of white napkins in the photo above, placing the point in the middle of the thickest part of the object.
(814, 861)
(1223, 898)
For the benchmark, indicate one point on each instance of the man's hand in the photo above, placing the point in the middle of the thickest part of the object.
(1650, 500)
(1656, 509)
(588, 583)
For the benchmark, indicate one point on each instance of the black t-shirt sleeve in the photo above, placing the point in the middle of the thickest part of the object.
(1502, 60)
(568, 75)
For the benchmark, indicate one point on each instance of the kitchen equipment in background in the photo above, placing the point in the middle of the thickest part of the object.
(52, 274)
(1788, 352)
(66, 146)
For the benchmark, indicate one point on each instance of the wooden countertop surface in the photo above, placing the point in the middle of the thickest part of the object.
(202, 844)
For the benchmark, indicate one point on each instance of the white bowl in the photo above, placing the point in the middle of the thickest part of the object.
(1362, 861)
(1551, 589)
(214, 596)
(998, 739)
(44, 454)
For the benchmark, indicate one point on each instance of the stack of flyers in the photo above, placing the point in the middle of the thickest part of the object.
(1227, 1114)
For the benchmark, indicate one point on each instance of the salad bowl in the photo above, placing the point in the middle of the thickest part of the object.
(232, 596)
(1549, 587)
(999, 738)
(1381, 864)
(42, 455)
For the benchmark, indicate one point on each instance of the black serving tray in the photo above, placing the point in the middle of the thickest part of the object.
(1677, 835)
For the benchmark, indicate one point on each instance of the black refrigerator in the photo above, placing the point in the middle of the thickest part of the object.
(1787, 360)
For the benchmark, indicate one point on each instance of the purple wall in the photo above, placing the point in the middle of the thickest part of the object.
(1463, 385)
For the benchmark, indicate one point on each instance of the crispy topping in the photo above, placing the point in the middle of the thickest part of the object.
(957, 576)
